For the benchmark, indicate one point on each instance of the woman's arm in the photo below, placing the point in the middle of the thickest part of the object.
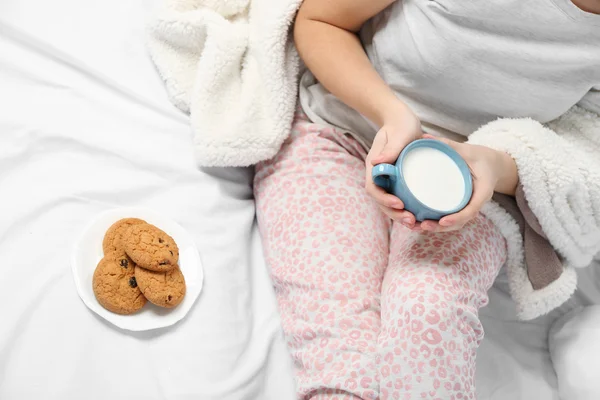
(325, 35)
(508, 179)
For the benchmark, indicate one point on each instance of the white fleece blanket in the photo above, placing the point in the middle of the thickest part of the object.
(559, 167)
(229, 63)
(232, 66)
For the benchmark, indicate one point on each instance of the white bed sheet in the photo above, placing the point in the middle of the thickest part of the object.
(85, 125)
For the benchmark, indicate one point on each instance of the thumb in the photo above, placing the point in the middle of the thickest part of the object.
(391, 144)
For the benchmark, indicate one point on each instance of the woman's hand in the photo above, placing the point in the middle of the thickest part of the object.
(401, 126)
(493, 171)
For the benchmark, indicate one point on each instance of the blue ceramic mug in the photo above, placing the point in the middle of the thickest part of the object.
(391, 178)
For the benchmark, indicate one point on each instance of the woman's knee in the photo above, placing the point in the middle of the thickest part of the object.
(432, 306)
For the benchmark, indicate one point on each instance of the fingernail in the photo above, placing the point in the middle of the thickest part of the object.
(407, 221)
(446, 222)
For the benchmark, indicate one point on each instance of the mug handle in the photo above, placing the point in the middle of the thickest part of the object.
(383, 175)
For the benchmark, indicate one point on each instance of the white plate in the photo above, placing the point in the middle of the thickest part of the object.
(88, 252)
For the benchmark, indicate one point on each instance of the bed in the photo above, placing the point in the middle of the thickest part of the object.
(85, 126)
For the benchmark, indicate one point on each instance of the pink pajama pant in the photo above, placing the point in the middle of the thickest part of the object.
(370, 309)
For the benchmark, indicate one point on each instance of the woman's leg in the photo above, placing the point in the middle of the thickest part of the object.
(326, 244)
(433, 287)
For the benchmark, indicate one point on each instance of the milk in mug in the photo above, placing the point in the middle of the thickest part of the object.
(433, 178)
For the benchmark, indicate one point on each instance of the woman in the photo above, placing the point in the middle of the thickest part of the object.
(374, 304)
